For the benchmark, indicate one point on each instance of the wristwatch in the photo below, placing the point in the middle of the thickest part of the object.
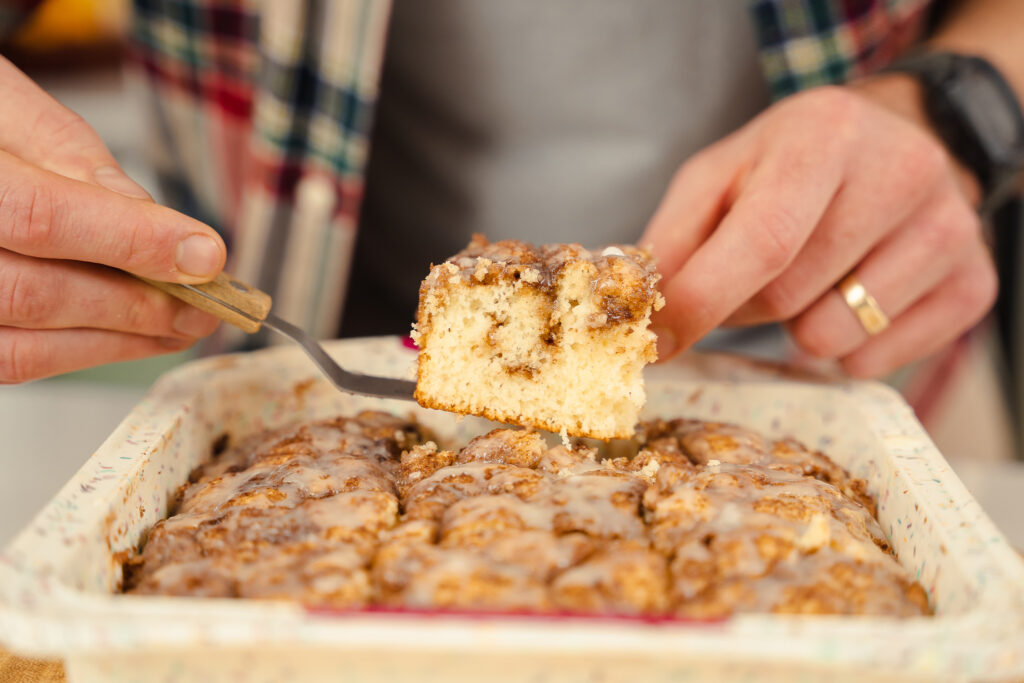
(976, 114)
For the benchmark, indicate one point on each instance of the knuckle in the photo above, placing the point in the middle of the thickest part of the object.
(924, 159)
(686, 312)
(836, 100)
(817, 126)
(937, 235)
(19, 360)
(950, 230)
(968, 225)
(990, 278)
(28, 212)
(842, 109)
(813, 338)
(970, 296)
(779, 302)
(694, 167)
(139, 246)
(697, 162)
(774, 241)
(138, 314)
(60, 125)
(22, 300)
(978, 289)
(858, 367)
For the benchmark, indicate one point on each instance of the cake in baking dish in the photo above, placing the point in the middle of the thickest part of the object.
(706, 520)
(553, 337)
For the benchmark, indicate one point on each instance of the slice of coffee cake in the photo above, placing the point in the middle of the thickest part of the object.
(553, 337)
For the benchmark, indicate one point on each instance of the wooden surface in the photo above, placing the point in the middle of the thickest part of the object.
(21, 670)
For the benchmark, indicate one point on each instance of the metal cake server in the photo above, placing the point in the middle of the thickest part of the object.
(248, 309)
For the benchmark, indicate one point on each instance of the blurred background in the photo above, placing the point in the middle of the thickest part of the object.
(75, 50)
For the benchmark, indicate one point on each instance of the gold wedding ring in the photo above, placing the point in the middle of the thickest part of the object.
(864, 306)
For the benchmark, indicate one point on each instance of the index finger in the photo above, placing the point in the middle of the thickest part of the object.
(47, 215)
(775, 212)
(695, 202)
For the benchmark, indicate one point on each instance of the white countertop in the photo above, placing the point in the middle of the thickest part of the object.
(49, 429)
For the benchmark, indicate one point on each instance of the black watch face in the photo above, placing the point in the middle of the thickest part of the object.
(994, 123)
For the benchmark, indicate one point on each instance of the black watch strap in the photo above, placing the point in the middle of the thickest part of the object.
(976, 113)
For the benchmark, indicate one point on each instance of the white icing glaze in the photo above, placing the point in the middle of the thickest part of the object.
(326, 513)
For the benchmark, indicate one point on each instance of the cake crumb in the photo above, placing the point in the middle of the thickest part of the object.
(650, 470)
(531, 275)
(480, 272)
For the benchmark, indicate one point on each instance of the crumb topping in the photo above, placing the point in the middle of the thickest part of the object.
(624, 276)
(370, 510)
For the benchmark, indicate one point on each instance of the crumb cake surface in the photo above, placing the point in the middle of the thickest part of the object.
(705, 521)
(553, 337)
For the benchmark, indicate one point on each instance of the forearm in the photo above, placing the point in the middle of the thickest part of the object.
(989, 29)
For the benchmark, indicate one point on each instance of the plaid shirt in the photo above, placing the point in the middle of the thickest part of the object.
(808, 43)
(262, 111)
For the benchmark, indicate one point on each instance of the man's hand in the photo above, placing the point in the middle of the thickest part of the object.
(762, 226)
(68, 217)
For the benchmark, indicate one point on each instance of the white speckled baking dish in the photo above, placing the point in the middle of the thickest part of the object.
(57, 578)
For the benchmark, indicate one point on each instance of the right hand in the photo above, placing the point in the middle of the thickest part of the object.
(69, 217)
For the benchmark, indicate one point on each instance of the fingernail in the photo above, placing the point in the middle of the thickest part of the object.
(191, 322)
(198, 255)
(667, 343)
(113, 178)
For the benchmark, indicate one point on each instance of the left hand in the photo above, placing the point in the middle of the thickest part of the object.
(761, 226)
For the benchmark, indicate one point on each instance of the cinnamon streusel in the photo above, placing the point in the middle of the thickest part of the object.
(706, 520)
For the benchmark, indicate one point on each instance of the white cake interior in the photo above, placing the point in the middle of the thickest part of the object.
(510, 351)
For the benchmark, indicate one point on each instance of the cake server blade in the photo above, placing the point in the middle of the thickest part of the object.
(249, 309)
(353, 383)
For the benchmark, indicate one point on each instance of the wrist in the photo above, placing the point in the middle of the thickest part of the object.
(903, 95)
